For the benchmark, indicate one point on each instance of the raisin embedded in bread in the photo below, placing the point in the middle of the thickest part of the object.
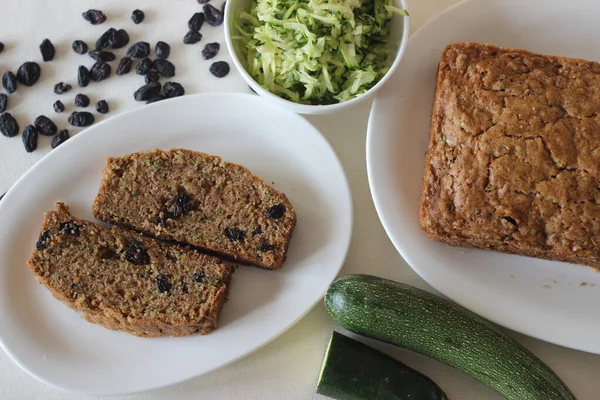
(125, 281)
(198, 199)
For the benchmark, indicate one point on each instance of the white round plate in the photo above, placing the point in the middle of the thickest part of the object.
(54, 344)
(552, 301)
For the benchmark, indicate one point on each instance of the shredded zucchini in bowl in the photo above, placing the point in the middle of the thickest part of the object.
(316, 51)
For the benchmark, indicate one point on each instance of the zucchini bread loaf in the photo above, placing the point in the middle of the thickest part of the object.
(198, 199)
(125, 281)
(513, 163)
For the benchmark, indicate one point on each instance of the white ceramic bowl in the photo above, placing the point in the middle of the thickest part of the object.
(398, 35)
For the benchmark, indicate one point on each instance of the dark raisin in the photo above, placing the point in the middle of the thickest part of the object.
(184, 287)
(137, 16)
(136, 253)
(147, 91)
(152, 76)
(106, 40)
(102, 55)
(79, 47)
(81, 118)
(102, 107)
(119, 39)
(162, 283)
(95, 17)
(192, 37)
(198, 277)
(3, 102)
(100, 71)
(154, 99)
(58, 106)
(162, 50)
(61, 88)
(28, 73)
(214, 17)
(265, 247)
(276, 211)
(234, 234)
(47, 50)
(60, 138)
(162, 219)
(45, 125)
(83, 76)
(182, 206)
(43, 241)
(70, 228)
(9, 82)
(210, 50)
(195, 23)
(81, 100)
(124, 66)
(164, 68)
(219, 69)
(8, 125)
(257, 231)
(139, 50)
(30, 138)
(143, 66)
(173, 89)
(1, 47)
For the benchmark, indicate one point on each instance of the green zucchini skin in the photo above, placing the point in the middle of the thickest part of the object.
(354, 371)
(438, 328)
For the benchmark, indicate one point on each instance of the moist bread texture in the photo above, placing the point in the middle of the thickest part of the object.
(125, 281)
(513, 163)
(199, 200)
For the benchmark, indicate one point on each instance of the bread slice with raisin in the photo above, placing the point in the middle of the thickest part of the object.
(199, 200)
(125, 281)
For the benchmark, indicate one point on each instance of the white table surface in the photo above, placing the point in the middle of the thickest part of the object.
(288, 367)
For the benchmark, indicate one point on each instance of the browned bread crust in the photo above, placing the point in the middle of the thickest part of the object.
(200, 200)
(125, 281)
(513, 163)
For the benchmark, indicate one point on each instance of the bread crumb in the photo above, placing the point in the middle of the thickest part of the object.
(512, 276)
(546, 287)
(583, 284)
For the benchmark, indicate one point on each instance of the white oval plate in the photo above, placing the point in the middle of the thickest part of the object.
(54, 344)
(539, 298)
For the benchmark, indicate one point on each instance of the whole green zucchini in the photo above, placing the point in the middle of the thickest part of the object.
(428, 324)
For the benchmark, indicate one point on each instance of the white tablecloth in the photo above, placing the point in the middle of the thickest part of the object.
(288, 367)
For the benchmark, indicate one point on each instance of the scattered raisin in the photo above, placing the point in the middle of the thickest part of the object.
(162, 219)
(152, 76)
(102, 55)
(79, 47)
(30, 138)
(147, 91)
(173, 89)
(213, 16)
(28, 73)
(164, 67)
(195, 23)
(58, 106)
(3, 102)
(119, 39)
(182, 206)
(70, 228)
(61, 88)
(95, 17)
(45, 125)
(234, 234)
(60, 138)
(47, 50)
(8, 125)
(137, 16)
(124, 66)
(81, 100)
(163, 284)
(219, 69)
(9, 82)
(83, 76)
(106, 39)
(102, 107)
(81, 118)
(139, 50)
(162, 50)
(154, 99)
(43, 241)
(143, 66)
(192, 37)
(100, 71)
(198, 277)
(210, 50)
(257, 231)
(265, 247)
(136, 253)
(276, 211)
